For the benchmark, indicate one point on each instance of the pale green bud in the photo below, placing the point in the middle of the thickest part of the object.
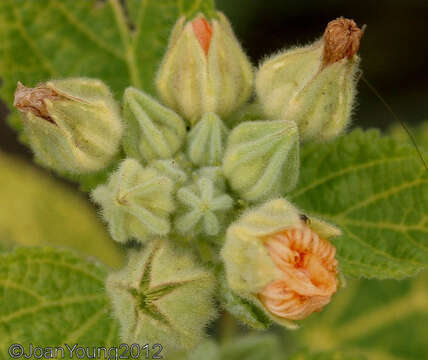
(214, 173)
(205, 208)
(274, 247)
(172, 169)
(262, 159)
(314, 85)
(136, 202)
(153, 131)
(206, 141)
(162, 296)
(72, 125)
(205, 69)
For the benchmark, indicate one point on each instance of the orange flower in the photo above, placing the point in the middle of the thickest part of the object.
(309, 273)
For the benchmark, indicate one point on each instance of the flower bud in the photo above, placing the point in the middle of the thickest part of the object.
(314, 86)
(262, 159)
(204, 69)
(205, 208)
(282, 261)
(136, 202)
(162, 296)
(214, 173)
(172, 169)
(207, 140)
(72, 125)
(153, 131)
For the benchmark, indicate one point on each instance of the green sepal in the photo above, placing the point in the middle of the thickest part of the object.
(206, 141)
(153, 131)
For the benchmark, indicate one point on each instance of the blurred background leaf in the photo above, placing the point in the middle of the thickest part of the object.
(249, 347)
(420, 133)
(39, 210)
(381, 320)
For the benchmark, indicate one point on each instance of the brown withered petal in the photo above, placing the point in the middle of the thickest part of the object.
(341, 40)
(32, 100)
(309, 279)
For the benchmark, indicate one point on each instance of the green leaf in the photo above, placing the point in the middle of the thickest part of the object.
(39, 210)
(253, 347)
(420, 133)
(51, 298)
(378, 320)
(250, 347)
(376, 190)
(330, 355)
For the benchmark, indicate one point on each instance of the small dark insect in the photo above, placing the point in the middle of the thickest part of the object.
(304, 218)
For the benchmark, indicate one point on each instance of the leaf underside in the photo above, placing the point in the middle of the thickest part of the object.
(51, 297)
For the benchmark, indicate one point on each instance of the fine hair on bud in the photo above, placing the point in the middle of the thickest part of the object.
(162, 296)
(204, 69)
(314, 85)
(136, 202)
(72, 125)
(281, 261)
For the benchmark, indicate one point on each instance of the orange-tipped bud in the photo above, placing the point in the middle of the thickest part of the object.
(204, 69)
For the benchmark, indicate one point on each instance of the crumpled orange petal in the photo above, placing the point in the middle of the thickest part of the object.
(309, 271)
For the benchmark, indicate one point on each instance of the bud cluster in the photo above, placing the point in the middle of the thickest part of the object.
(188, 171)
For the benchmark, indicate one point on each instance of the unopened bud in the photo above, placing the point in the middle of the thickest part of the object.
(205, 69)
(153, 131)
(72, 125)
(162, 296)
(206, 141)
(136, 202)
(314, 86)
(205, 208)
(262, 159)
(171, 168)
(276, 258)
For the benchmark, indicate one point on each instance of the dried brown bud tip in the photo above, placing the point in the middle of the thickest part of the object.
(341, 39)
(32, 100)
